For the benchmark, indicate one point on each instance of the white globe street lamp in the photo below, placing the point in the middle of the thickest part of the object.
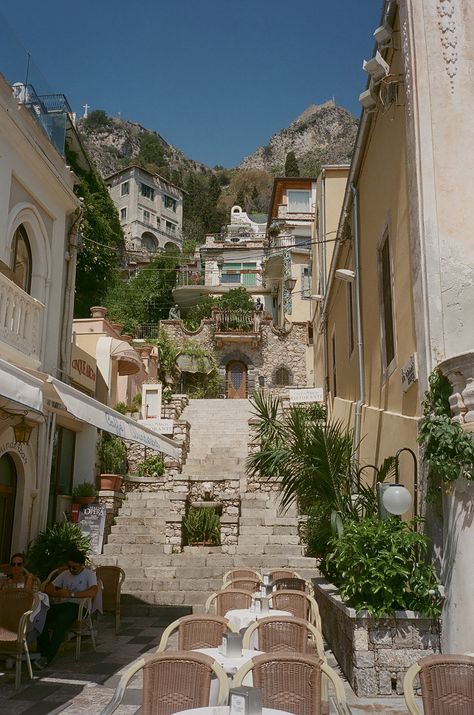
(396, 499)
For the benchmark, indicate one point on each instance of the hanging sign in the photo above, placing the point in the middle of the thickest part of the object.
(309, 394)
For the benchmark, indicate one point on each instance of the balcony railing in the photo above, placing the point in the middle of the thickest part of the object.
(236, 321)
(49, 110)
(189, 277)
(147, 331)
(21, 319)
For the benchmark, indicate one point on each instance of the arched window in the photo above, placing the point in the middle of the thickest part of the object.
(21, 263)
(149, 243)
(282, 377)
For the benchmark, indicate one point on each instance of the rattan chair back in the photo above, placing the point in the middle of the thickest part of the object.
(112, 578)
(290, 584)
(229, 599)
(299, 604)
(285, 634)
(447, 685)
(283, 573)
(16, 605)
(239, 573)
(198, 631)
(243, 584)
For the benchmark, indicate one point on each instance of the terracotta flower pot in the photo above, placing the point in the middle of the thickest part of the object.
(84, 500)
(110, 482)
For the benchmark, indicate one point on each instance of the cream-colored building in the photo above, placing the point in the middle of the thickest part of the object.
(399, 297)
(150, 210)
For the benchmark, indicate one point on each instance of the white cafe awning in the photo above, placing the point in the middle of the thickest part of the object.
(87, 409)
(20, 387)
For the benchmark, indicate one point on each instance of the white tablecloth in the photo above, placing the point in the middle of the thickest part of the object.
(241, 618)
(230, 665)
(38, 617)
(224, 710)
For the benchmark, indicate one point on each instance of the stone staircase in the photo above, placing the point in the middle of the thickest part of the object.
(266, 538)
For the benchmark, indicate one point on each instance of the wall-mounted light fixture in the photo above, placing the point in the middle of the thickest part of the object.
(290, 284)
(344, 274)
(22, 431)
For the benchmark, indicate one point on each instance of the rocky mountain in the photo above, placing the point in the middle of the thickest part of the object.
(115, 143)
(323, 134)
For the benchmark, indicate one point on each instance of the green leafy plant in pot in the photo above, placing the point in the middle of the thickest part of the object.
(84, 493)
(52, 546)
(202, 527)
(153, 466)
(112, 455)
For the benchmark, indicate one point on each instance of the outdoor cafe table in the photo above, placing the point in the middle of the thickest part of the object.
(231, 664)
(241, 618)
(225, 710)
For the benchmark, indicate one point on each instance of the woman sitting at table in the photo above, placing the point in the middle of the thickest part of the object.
(18, 576)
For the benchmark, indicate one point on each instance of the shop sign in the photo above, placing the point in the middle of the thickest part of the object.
(92, 524)
(159, 426)
(409, 373)
(83, 369)
(310, 394)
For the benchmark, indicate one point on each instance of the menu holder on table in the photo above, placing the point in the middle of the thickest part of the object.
(232, 645)
(245, 701)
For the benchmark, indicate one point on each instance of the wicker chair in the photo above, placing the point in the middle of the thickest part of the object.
(299, 604)
(172, 681)
(197, 631)
(243, 584)
(283, 573)
(292, 583)
(447, 685)
(234, 574)
(287, 634)
(112, 578)
(227, 600)
(293, 683)
(16, 606)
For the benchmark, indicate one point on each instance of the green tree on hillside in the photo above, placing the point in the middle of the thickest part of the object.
(102, 240)
(147, 296)
(97, 119)
(152, 153)
(291, 165)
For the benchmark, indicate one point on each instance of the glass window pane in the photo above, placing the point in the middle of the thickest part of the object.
(387, 303)
(298, 201)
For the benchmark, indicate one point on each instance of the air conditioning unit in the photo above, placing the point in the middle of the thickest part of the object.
(376, 67)
(383, 36)
(368, 100)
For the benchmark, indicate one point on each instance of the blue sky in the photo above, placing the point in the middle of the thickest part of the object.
(216, 78)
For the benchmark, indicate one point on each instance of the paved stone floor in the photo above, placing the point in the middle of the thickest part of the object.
(85, 687)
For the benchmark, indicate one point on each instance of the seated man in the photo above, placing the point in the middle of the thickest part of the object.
(71, 585)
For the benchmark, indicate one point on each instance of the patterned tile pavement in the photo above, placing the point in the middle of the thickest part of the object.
(84, 688)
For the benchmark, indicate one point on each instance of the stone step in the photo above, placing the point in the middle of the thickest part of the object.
(270, 549)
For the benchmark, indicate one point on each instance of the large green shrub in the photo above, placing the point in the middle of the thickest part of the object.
(202, 526)
(379, 566)
(52, 547)
(152, 466)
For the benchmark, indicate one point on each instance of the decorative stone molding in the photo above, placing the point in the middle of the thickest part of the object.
(448, 35)
(459, 370)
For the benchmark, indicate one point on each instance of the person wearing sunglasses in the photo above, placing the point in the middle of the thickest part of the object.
(73, 584)
(18, 577)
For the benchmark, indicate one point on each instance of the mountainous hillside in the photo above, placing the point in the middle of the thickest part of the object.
(115, 143)
(323, 134)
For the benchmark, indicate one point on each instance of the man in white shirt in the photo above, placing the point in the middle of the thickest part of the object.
(73, 584)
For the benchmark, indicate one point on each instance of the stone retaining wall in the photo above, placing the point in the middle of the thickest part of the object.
(374, 653)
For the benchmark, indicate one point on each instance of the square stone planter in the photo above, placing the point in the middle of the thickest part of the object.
(374, 653)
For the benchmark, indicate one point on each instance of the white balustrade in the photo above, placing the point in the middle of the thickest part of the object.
(21, 319)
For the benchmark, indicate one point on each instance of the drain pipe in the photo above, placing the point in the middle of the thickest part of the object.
(360, 346)
(323, 232)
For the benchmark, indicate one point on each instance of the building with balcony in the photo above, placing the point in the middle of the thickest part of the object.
(150, 210)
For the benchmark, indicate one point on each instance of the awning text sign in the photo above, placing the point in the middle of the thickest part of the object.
(308, 394)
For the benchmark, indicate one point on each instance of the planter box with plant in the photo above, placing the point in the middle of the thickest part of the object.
(382, 614)
(84, 493)
(51, 548)
(201, 527)
(152, 466)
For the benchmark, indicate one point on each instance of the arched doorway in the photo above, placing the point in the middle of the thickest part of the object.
(7, 505)
(236, 380)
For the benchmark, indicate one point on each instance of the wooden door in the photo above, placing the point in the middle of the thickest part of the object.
(236, 380)
(7, 505)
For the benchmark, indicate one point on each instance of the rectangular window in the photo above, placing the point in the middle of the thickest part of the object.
(299, 201)
(169, 202)
(62, 469)
(146, 216)
(170, 227)
(231, 273)
(147, 192)
(305, 282)
(123, 214)
(249, 274)
(388, 332)
(158, 222)
(350, 317)
(125, 188)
